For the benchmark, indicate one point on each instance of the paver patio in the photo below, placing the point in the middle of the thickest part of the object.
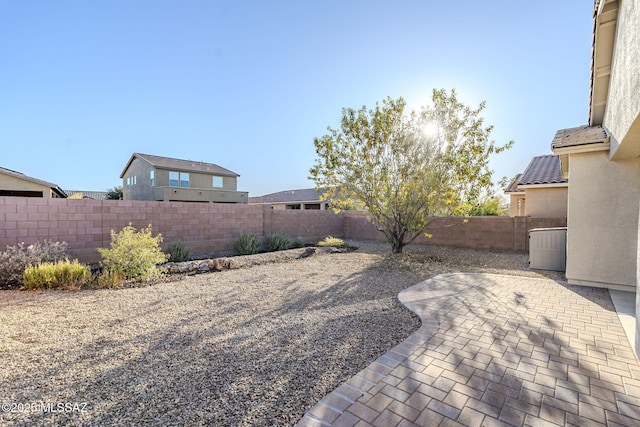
(496, 350)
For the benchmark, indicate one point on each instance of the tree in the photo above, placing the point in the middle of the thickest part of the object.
(114, 193)
(385, 160)
(490, 207)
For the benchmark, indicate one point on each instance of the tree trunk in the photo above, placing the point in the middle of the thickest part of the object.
(397, 245)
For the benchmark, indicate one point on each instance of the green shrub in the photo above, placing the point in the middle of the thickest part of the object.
(178, 252)
(247, 244)
(275, 242)
(298, 242)
(15, 259)
(333, 242)
(58, 274)
(134, 255)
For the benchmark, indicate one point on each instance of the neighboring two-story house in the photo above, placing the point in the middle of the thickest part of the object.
(539, 191)
(148, 177)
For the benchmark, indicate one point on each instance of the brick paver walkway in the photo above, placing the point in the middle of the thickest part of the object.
(496, 350)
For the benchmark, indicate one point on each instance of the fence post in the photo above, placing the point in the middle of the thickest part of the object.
(267, 219)
(520, 235)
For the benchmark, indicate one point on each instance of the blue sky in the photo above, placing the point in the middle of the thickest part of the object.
(248, 84)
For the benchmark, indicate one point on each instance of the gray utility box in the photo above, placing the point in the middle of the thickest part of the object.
(548, 248)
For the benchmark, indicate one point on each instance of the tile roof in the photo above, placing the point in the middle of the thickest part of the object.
(95, 195)
(180, 165)
(22, 176)
(513, 185)
(543, 170)
(582, 135)
(288, 196)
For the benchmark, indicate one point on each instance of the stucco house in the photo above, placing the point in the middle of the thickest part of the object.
(539, 191)
(82, 194)
(149, 177)
(17, 184)
(602, 159)
(304, 199)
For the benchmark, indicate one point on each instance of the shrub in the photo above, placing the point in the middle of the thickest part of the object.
(48, 251)
(247, 244)
(110, 279)
(298, 242)
(15, 259)
(333, 242)
(134, 255)
(275, 242)
(59, 274)
(178, 252)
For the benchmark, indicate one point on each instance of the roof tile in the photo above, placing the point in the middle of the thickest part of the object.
(582, 135)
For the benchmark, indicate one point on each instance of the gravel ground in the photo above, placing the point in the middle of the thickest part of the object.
(255, 346)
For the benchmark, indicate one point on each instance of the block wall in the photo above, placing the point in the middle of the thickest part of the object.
(207, 227)
(495, 233)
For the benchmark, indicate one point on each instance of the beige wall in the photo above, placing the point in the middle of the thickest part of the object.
(546, 202)
(602, 221)
(622, 115)
(517, 205)
(12, 183)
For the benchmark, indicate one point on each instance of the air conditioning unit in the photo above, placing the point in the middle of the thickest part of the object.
(548, 248)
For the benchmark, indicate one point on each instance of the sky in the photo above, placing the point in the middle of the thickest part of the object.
(247, 85)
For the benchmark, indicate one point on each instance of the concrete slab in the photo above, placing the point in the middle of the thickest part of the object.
(625, 304)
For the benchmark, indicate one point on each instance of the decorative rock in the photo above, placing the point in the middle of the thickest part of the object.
(202, 266)
(307, 253)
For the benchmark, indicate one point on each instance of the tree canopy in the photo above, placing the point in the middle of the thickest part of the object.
(405, 168)
(114, 193)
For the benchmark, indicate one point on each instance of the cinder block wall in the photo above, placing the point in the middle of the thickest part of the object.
(205, 227)
(497, 233)
(311, 225)
(86, 224)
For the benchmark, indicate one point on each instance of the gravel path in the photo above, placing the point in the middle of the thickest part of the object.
(253, 346)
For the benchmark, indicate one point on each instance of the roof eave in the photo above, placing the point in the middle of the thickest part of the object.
(582, 148)
(602, 48)
(545, 185)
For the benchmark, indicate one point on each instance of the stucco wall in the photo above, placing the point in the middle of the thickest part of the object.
(622, 115)
(546, 202)
(602, 221)
(517, 205)
(142, 189)
(13, 183)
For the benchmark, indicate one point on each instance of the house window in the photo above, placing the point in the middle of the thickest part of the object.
(174, 179)
(184, 179)
(128, 183)
(152, 175)
(178, 179)
(217, 182)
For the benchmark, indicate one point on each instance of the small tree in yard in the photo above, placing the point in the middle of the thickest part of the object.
(387, 161)
(114, 193)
